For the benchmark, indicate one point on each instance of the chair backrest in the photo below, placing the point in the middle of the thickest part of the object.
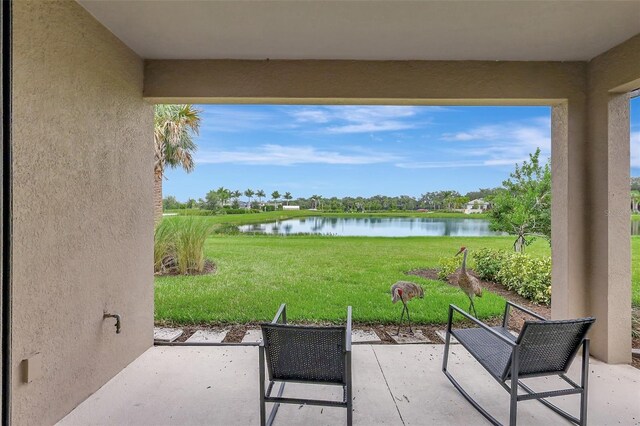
(548, 347)
(305, 353)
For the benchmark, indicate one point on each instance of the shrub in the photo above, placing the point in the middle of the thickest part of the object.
(448, 266)
(235, 211)
(227, 229)
(179, 245)
(488, 262)
(528, 276)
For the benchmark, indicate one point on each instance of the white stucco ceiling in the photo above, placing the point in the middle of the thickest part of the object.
(384, 29)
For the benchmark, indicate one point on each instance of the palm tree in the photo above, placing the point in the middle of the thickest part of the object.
(249, 193)
(224, 194)
(275, 195)
(288, 197)
(236, 195)
(174, 128)
(260, 194)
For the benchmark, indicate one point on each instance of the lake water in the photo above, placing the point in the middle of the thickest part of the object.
(377, 227)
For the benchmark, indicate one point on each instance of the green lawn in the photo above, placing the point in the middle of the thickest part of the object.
(318, 276)
(635, 270)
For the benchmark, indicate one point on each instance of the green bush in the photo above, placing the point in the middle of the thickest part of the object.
(528, 276)
(488, 262)
(235, 211)
(179, 245)
(226, 229)
(448, 266)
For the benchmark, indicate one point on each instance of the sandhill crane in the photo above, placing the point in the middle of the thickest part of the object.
(405, 291)
(468, 283)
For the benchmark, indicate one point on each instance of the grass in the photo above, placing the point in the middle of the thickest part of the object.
(318, 277)
(635, 271)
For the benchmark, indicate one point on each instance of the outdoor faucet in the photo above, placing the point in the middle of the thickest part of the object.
(117, 317)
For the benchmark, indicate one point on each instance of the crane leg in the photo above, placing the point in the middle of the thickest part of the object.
(401, 317)
(409, 319)
(473, 306)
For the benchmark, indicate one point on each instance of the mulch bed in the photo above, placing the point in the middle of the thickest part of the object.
(209, 268)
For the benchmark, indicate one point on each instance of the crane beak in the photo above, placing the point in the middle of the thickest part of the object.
(461, 250)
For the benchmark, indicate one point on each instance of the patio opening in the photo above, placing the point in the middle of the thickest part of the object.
(322, 206)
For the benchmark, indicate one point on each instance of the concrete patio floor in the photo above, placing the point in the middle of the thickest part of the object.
(393, 385)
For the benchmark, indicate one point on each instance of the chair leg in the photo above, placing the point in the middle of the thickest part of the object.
(349, 389)
(585, 382)
(513, 406)
(263, 408)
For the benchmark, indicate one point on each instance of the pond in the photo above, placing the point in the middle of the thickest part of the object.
(376, 227)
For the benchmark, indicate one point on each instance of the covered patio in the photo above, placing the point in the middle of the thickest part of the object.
(79, 82)
(393, 385)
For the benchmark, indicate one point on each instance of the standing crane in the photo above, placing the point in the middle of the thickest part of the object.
(405, 291)
(467, 282)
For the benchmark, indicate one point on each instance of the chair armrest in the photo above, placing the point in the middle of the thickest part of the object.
(348, 333)
(520, 308)
(281, 315)
(453, 308)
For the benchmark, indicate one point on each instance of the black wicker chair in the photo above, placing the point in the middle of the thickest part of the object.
(304, 354)
(543, 348)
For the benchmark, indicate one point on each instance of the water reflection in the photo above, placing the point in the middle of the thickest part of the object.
(377, 227)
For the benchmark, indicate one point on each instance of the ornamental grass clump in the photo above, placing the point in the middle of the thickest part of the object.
(179, 245)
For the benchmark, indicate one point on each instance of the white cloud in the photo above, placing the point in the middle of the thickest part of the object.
(502, 144)
(635, 149)
(279, 155)
(361, 119)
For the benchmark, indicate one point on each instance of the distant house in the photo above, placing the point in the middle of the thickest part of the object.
(290, 207)
(477, 206)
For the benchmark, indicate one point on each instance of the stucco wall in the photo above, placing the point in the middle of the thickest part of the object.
(82, 207)
(611, 75)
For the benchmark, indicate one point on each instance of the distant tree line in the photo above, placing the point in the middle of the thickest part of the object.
(222, 198)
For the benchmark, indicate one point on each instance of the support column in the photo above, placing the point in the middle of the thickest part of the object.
(569, 194)
(609, 275)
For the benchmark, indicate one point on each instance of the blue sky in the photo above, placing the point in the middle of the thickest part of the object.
(364, 150)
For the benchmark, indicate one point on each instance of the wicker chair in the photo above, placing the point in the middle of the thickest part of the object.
(304, 354)
(543, 348)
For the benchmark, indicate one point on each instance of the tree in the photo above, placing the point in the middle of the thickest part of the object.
(274, 196)
(635, 183)
(635, 201)
(523, 206)
(260, 194)
(212, 200)
(174, 128)
(236, 195)
(224, 194)
(288, 197)
(249, 193)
